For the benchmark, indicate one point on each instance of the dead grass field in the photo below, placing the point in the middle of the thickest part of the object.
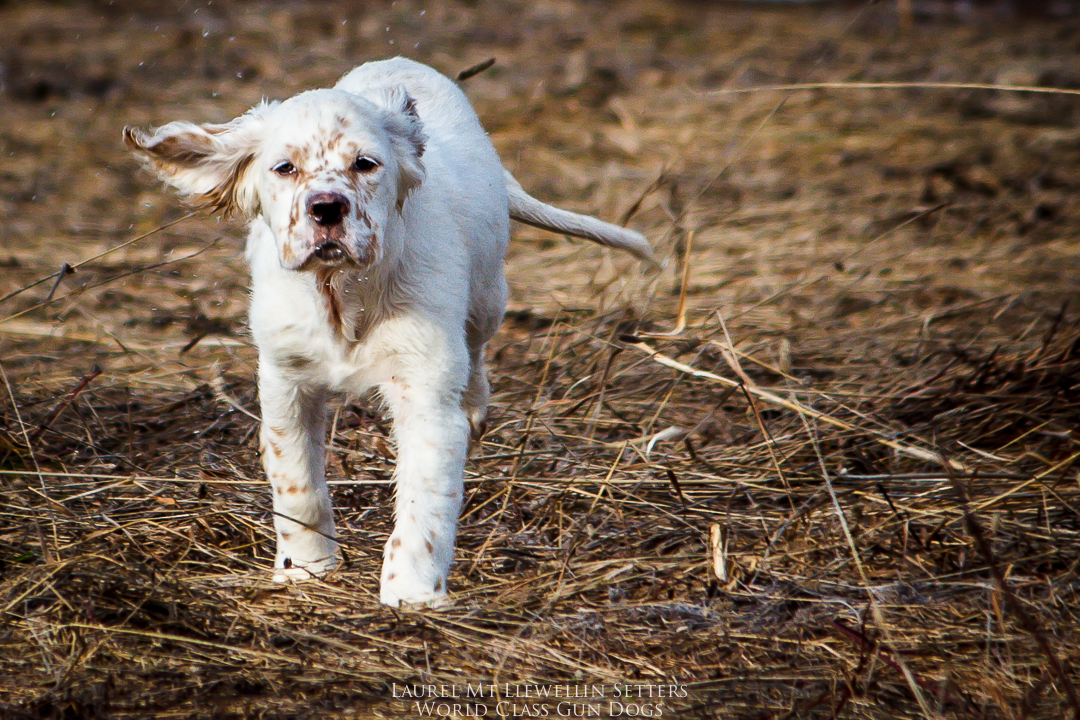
(875, 398)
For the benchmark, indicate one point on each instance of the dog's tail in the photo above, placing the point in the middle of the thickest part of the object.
(526, 209)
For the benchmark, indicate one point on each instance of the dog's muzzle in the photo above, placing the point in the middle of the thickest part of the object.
(328, 210)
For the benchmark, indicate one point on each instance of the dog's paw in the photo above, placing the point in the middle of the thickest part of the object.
(402, 588)
(413, 572)
(296, 572)
(414, 600)
(478, 427)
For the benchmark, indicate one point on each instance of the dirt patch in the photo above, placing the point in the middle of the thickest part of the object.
(895, 269)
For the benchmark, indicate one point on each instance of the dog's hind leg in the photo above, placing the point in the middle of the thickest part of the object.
(480, 328)
(474, 402)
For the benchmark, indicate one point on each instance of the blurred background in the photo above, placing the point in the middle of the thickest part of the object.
(903, 259)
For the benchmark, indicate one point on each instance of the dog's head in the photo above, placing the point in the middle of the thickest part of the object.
(325, 169)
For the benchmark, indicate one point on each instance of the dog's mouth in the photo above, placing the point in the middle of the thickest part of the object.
(330, 252)
(327, 254)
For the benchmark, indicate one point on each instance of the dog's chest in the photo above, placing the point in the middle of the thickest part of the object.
(314, 331)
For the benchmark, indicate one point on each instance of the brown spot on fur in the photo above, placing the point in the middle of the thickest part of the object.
(277, 430)
(296, 362)
(183, 151)
(333, 141)
(223, 197)
(298, 155)
(275, 448)
(324, 280)
(390, 557)
(362, 189)
(364, 219)
(390, 577)
(293, 490)
(430, 547)
(294, 218)
(395, 543)
(438, 585)
(285, 535)
(287, 253)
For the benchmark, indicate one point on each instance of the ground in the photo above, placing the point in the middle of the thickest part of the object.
(845, 486)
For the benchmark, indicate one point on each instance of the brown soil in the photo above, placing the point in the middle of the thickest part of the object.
(890, 273)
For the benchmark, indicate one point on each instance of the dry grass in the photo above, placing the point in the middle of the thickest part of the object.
(873, 402)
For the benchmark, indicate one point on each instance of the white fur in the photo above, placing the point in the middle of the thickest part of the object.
(406, 308)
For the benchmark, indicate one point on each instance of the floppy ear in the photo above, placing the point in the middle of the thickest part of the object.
(207, 163)
(406, 136)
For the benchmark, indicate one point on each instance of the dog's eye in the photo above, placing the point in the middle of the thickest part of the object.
(364, 164)
(285, 168)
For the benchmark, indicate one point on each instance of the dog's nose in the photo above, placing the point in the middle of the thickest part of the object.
(327, 209)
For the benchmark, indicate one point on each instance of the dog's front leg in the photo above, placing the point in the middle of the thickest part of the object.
(432, 437)
(292, 445)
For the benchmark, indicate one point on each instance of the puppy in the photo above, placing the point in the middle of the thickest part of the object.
(379, 216)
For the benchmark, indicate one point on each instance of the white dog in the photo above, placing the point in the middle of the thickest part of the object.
(379, 218)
